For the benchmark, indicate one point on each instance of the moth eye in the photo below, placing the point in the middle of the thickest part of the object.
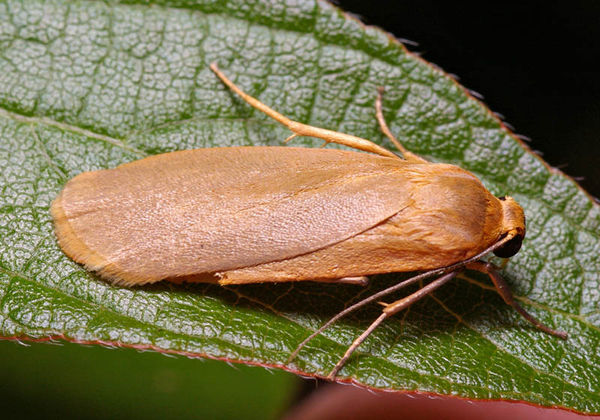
(502, 198)
(510, 248)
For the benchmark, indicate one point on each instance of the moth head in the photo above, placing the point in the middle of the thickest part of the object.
(513, 224)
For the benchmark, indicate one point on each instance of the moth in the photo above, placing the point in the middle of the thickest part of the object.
(240, 215)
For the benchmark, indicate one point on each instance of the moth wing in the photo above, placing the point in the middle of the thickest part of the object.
(212, 210)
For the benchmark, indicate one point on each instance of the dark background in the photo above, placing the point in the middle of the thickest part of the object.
(536, 63)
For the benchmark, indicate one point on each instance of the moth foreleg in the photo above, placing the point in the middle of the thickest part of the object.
(504, 290)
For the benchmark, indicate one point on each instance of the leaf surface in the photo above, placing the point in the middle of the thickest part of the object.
(89, 85)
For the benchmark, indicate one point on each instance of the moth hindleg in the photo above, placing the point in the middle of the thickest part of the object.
(412, 157)
(299, 129)
(358, 281)
(252, 277)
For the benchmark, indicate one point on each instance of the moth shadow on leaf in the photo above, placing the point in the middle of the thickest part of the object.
(459, 304)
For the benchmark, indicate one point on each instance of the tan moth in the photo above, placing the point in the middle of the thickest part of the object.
(241, 215)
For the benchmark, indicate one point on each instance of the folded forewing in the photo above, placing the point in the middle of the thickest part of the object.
(210, 210)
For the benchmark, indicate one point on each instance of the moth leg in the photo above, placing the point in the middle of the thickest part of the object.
(299, 129)
(388, 311)
(504, 291)
(411, 157)
(373, 298)
(359, 281)
(224, 279)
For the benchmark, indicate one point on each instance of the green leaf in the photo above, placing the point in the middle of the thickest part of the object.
(88, 85)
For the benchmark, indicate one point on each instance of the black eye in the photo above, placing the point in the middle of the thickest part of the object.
(510, 248)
